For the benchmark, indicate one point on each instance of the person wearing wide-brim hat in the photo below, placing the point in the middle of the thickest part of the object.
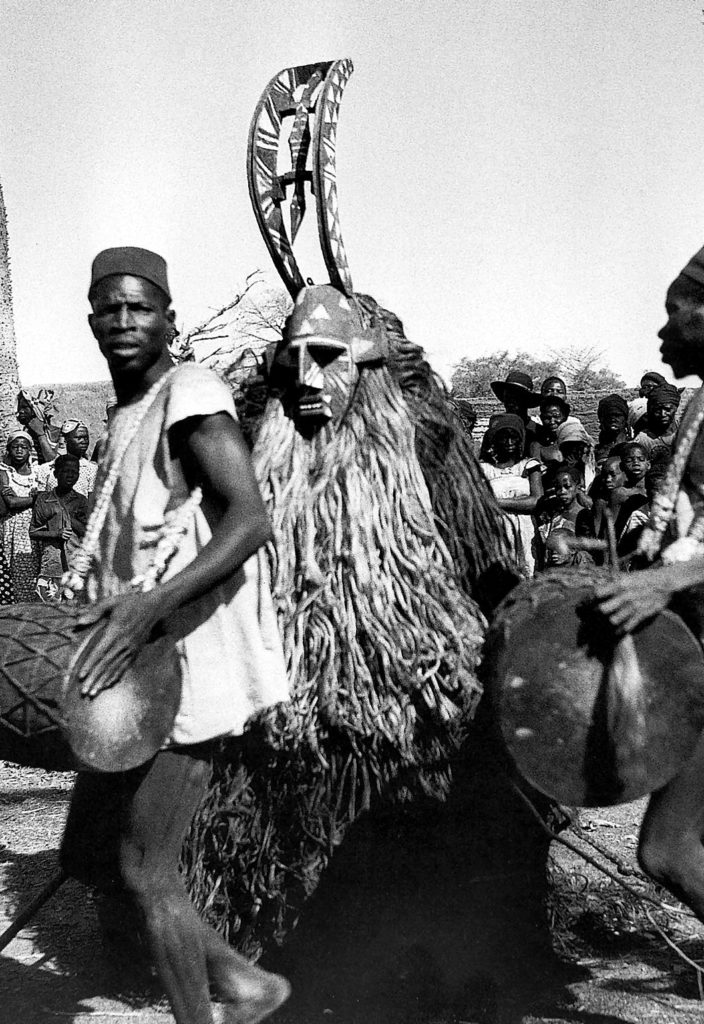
(516, 388)
(517, 396)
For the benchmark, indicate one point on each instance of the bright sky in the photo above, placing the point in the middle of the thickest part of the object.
(511, 175)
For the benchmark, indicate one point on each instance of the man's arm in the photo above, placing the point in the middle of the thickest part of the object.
(214, 455)
(629, 600)
(46, 451)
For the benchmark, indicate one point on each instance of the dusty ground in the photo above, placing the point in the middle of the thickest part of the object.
(55, 970)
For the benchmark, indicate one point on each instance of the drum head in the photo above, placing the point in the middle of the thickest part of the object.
(547, 665)
(126, 724)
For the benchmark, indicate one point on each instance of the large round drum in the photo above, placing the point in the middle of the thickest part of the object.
(45, 722)
(588, 719)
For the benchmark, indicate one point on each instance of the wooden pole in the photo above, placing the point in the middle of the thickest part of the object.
(28, 913)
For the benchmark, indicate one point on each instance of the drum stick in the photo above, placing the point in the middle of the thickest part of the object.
(28, 913)
(611, 538)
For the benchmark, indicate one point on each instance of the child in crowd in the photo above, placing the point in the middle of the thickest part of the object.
(59, 519)
(632, 496)
(516, 483)
(611, 481)
(635, 464)
(562, 510)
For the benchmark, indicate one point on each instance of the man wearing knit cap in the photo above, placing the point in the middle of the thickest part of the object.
(125, 829)
(671, 847)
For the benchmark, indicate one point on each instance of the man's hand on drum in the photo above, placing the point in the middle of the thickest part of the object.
(128, 621)
(629, 600)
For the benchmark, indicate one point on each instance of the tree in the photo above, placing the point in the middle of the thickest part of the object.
(233, 338)
(9, 376)
(580, 369)
(472, 378)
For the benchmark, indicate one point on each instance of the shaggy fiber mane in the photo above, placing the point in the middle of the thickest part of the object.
(382, 646)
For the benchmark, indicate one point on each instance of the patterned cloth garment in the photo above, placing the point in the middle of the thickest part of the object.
(18, 554)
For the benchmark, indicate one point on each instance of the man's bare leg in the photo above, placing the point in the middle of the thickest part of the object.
(187, 953)
(670, 848)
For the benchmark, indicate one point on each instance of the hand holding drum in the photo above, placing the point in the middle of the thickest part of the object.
(50, 655)
(589, 717)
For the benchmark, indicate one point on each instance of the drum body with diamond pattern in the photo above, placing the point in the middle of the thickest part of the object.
(45, 722)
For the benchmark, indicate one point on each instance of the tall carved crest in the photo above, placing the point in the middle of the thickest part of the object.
(311, 96)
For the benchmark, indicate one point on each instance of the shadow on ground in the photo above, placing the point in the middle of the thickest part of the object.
(435, 913)
(57, 964)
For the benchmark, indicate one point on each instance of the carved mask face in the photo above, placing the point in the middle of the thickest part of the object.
(314, 367)
(316, 378)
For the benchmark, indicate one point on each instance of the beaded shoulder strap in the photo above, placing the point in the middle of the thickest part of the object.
(74, 580)
(664, 501)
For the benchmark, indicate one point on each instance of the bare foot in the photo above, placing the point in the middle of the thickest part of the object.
(260, 995)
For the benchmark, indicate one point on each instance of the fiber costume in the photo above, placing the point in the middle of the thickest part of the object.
(383, 528)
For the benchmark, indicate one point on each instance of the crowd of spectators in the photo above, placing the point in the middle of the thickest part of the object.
(46, 479)
(554, 481)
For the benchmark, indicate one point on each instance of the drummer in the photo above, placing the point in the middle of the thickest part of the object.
(125, 829)
(671, 848)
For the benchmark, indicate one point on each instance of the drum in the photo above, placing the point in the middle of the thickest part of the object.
(588, 719)
(44, 720)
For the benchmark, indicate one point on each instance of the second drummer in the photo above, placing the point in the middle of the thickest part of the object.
(671, 848)
(174, 430)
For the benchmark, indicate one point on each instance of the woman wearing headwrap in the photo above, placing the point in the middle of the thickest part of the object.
(638, 407)
(18, 487)
(660, 424)
(612, 412)
(577, 449)
(75, 435)
(516, 483)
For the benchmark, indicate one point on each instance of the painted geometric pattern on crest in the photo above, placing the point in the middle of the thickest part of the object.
(267, 186)
(325, 174)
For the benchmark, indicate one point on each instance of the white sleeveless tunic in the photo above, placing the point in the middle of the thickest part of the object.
(229, 643)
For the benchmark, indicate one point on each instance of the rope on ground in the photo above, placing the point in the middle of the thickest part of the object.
(642, 897)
